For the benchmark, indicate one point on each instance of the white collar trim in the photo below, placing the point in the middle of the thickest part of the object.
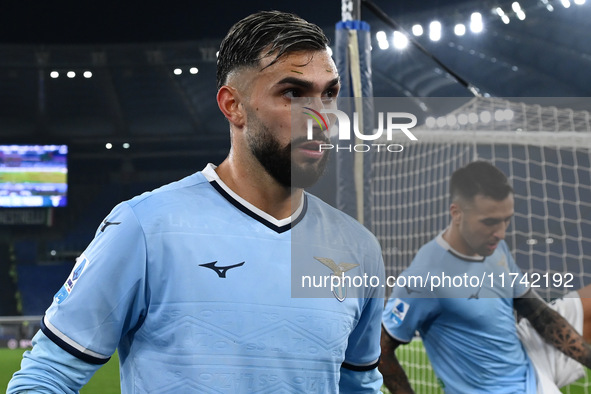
(445, 245)
(211, 175)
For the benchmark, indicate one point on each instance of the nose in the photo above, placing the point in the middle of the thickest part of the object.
(500, 231)
(315, 102)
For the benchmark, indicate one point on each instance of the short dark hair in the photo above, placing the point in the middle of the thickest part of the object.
(274, 31)
(479, 177)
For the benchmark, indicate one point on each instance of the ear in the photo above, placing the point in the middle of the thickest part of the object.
(229, 102)
(456, 213)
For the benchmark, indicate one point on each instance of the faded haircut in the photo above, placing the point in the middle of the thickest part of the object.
(266, 33)
(479, 177)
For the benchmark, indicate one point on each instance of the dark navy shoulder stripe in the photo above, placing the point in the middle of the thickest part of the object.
(71, 349)
(272, 226)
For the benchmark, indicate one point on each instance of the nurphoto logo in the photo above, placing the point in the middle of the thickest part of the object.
(395, 122)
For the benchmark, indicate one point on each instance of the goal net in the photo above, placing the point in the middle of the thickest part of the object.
(545, 150)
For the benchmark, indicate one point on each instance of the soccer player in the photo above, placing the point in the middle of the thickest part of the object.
(469, 330)
(192, 282)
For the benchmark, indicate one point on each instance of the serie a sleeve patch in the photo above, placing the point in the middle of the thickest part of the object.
(63, 293)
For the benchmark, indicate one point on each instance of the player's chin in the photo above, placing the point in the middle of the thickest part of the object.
(488, 249)
(307, 174)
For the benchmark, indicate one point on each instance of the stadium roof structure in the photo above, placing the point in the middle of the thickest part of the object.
(143, 91)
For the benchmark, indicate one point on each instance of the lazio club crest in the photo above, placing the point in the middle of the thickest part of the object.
(338, 286)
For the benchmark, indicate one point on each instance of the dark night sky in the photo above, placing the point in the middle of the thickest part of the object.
(84, 22)
(92, 21)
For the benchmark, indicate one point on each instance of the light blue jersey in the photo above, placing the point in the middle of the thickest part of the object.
(193, 285)
(468, 327)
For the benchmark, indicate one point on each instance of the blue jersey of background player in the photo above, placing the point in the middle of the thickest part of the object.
(192, 283)
(452, 323)
(469, 330)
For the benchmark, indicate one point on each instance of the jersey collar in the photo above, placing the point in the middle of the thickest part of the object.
(277, 225)
(445, 245)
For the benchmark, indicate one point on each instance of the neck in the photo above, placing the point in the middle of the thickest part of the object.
(260, 189)
(452, 236)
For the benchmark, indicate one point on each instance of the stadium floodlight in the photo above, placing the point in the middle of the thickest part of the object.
(520, 15)
(108, 145)
(460, 29)
(463, 119)
(71, 74)
(87, 74)
(382, 40)
(516, 6)
(435, 31)
(499, 11)
(580, 2)
(126, 145)
(505, 19)
(54, 74)
(550, 7)
(451, 120)
(417, 30)
(565, 3)
(399, 40)
(499, 115)
(476, 24)
(177, 71)
(193, 70)
(485, 117)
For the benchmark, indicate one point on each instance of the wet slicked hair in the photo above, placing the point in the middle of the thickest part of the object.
(479, 177)
(262, 34)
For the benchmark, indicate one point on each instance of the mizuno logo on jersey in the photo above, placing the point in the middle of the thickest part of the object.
(399, 311)
(107, 224)
(221, 271)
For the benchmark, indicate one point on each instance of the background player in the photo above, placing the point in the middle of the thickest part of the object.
(470, 334)
(192, 282)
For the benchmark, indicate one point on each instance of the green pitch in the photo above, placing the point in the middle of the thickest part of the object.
(105, 381)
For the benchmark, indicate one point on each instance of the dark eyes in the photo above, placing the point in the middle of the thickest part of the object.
(494, 222)
(292, 93)
(327, 96)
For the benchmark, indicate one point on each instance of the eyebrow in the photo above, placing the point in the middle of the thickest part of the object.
(497, 219)
(306, 84)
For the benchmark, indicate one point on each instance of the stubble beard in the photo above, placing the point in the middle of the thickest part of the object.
(277, 160)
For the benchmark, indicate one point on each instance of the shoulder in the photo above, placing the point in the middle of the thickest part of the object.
(503, 247)
(181, 199)
(429, 252)
(336, 221)
(190, 184)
